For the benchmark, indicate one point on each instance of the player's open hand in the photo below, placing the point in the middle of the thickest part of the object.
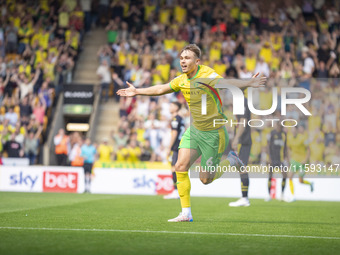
(258, 81)
(129, 92)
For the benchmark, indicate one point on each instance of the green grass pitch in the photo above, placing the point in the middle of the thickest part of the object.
(48, 223)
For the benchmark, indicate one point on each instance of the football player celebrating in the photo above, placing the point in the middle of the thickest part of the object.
(202, 138)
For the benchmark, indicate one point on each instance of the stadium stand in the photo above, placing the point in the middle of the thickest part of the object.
(294, 43)
(39, 45)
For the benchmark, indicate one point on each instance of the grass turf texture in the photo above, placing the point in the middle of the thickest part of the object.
(150, 213)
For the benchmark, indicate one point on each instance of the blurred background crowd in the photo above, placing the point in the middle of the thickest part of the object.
(39, 44)
(294, 43)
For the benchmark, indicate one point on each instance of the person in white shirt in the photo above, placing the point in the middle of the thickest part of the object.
(11, 116)
(26, 86)
(104, 73)
(308, 63)
(262, 67)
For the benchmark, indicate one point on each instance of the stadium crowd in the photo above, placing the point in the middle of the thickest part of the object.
(294, 43)
(39, 44)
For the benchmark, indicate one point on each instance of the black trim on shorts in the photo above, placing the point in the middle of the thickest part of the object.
(88, 167)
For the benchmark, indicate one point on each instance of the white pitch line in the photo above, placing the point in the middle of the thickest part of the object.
(170, 232)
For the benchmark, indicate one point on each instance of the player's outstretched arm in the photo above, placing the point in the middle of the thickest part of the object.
(156, 90)
(257, 81)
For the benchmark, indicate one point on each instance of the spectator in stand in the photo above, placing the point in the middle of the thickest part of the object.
(147, 153)
(292, 43)
(34, 36)
(74, 156)
(62, 145)
(105, 151)
(105, 53)
(32, 145)
(25, 111)
(39, 109)
(119, 139)
(3, 84)
(86, 7)
(26, 86)
(104, 74)
(20, 133)
(112, 32)
(47, 93)
(262, 67)
(13, 148)
(131, 153)
(11, 116)
(11, 38)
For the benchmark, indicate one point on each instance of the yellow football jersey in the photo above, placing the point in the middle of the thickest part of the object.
(105, 153)
(193, 96)
(164, 16)
(298, 147)
(250, 63)
(316, 152)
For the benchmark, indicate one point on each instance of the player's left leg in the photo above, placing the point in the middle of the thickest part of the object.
(212, 144)
(302, 171)
(303, 181)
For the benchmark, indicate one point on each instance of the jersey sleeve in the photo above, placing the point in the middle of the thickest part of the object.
(174, 84)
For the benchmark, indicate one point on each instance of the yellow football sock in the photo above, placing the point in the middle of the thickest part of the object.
(291, 186)
(306, 182)
(183, 187)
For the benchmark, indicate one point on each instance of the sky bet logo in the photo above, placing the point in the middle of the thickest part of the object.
(142, 182)
(60, 181)
(23, 179)
(239, 108)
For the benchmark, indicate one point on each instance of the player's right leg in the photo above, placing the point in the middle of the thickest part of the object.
(187, 155)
